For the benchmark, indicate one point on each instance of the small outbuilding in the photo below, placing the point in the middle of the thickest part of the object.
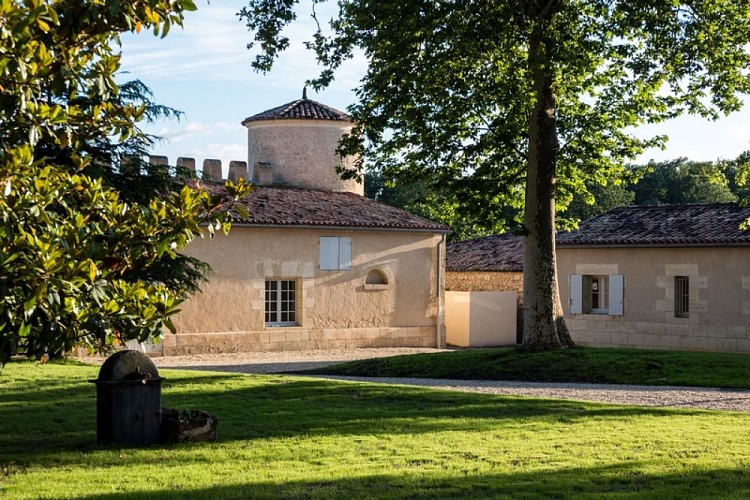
(476, 269)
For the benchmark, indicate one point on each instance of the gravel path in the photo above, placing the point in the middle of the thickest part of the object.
(279, 362)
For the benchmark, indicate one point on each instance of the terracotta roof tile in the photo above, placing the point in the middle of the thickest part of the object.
(282, 206)
(301, 109)
(662, 225)
(502, 253)
(716, 224)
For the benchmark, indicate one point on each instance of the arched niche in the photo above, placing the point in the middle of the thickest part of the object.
(376, 280)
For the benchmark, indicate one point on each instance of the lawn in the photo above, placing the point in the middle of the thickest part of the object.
(298, 437)
(585, 365)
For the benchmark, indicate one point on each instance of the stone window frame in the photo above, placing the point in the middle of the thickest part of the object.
(696, 283)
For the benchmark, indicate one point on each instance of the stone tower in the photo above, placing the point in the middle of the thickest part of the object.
(295, 145)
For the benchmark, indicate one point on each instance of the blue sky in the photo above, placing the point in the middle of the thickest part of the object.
(204, 70)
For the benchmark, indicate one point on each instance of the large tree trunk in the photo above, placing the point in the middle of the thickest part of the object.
(543, 313)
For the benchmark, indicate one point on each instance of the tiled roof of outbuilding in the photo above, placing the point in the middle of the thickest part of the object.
(301, 109)
(294, 207)
(502, 253)
(715, 224)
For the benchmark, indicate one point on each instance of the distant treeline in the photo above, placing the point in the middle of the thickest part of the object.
(676, 181)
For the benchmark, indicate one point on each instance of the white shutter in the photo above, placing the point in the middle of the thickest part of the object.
(329, 253)
(345, 253)
(616, 295)
(576, 294)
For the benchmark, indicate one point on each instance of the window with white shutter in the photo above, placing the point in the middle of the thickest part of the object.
(592, 294)
(576, 294)
(616, 295)
(335, 253)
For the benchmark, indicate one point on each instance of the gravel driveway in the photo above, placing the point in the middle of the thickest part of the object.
(279, 362)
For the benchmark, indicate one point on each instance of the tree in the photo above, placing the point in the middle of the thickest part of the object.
(432, 202)
(79, 261)
(597, 200)
(518, 103)
(683, 181)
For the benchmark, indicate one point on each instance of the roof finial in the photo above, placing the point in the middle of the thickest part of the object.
(304, 92)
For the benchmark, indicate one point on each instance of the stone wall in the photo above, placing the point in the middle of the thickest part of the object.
(212, 170)
(470, 281)
(719, 297)
(335, 309)
(296, 339)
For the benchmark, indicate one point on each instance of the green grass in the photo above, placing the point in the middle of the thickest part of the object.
(296, 437)
(611, 366)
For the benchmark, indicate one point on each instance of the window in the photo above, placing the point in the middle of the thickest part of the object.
(335, 253)
(592, 294)
(681, 296)
(281, 303)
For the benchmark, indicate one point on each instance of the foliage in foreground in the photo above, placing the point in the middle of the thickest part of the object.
(78, 263)
(289, 437)
(596, 366)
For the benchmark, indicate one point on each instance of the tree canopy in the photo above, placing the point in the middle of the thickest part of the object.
(84, 260)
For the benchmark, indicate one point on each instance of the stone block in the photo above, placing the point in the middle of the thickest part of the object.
(665, 282)
(699, 282)
(212, 170)
(670, 341)
(743, 345)
(276, 336)
(627, 326)
(737, 332)
(665, 305)
(237, 170)
(295, 336)
(679, 329)
(186, 165)
(653, 340)
(634, 339)
(698, 306)
(728, 345)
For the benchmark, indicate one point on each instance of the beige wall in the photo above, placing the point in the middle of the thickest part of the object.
(302, 153)
(480, 319)
(336, 309)
(482, 281)
(719, 318)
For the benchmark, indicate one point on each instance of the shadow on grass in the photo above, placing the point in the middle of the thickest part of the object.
(620, 480)
(43, 420)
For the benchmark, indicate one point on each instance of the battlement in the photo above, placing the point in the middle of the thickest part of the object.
(211, 169)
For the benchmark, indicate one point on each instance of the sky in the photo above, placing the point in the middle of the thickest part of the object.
(205, 71)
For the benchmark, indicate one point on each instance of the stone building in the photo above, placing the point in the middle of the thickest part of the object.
(314, 265)
(668, 276)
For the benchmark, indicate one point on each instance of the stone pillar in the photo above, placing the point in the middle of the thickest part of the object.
(159, 163)
(237, 170)
(185, 167)
(211, 170)
(263, 174)
(130, 165)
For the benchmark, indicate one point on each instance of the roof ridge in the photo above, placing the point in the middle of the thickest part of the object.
(300, 109)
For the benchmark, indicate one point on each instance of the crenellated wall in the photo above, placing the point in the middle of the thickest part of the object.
(211, 169)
